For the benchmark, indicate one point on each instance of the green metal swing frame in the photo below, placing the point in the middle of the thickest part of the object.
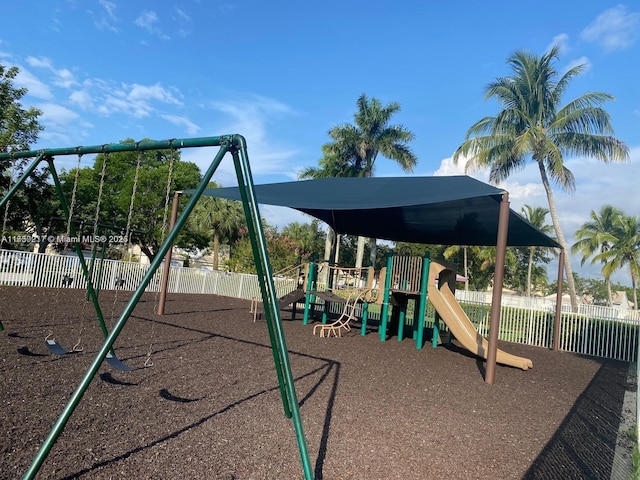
(236, 146)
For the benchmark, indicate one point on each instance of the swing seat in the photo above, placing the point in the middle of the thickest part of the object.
(118, 364)
(55, 347)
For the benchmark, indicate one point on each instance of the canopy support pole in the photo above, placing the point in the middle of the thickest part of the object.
(498, 279)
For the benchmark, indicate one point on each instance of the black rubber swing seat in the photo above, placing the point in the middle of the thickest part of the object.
(55, 347)
(118, 364)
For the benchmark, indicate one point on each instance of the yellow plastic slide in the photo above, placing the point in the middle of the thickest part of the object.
(450, 311)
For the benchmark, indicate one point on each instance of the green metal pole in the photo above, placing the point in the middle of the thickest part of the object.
(118, 147)
(307, 298)
(385, 299)
(21, 180)
(402, 314)
(259, 249)
(422, 301)
(111, 338)
(365, 317)
(270, 299)
(76, 246)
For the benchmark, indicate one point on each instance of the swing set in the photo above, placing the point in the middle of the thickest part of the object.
(236, 146)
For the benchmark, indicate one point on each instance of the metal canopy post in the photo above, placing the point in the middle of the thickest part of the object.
(167, 259)
(236, 144)
(558, 319)
(496, 298)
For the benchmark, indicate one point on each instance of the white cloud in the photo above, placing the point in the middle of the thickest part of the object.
(35, 87)
(191, 128)
(62, 77)
(184, 23)
(53, 113)
(562, 41)
(136, 100)
(149, 21)
(251, 116)
(82, 99)
(110, 8)
(107, 20)
(522, 187)
(143, 93)
(182, 15)
(614, 29)
(584, 61)
(597, 184)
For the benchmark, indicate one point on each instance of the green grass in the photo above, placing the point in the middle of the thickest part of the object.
(632, 434)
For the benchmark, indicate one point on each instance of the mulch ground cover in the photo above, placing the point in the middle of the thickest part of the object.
(210, 408)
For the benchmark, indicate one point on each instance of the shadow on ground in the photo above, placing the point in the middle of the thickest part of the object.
(584, 445)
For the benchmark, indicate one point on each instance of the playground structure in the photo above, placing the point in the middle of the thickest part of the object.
(236, 146)
(403, 282)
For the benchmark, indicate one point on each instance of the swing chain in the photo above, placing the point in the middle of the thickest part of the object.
(148, 362)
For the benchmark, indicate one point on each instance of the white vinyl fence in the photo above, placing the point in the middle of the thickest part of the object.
(58, 271)
(593, 330)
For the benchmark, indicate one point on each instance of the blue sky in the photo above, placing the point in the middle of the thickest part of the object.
(282, 73)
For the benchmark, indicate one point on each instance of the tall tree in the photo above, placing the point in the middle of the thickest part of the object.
(597, 236)
(218, 220)
(150, 208)
(624, 251)
(534, 126)
(354, 148)
(308, 237)
(536, 217)
(19, 128)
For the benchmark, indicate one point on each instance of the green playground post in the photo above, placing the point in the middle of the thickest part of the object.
(365, 316)
(422, 302)
(307, 298)
(402, 315)
(385, 299)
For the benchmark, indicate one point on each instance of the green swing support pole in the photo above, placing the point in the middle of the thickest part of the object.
(78, 249)
(21, 180)
(234, 143)
(270, 301)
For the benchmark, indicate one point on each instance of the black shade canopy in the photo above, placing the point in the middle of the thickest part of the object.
(456, 210)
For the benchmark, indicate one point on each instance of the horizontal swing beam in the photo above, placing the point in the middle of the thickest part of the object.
(120, 147)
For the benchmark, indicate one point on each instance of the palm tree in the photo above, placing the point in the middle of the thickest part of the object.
(598, 236)
(625, 250)
(533, 126)
(217, 217)
(354, 149)
(536, 217)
